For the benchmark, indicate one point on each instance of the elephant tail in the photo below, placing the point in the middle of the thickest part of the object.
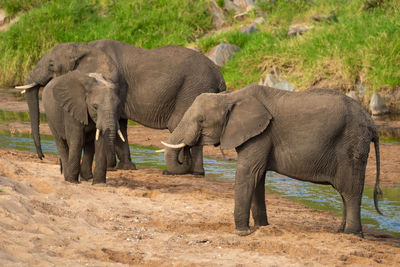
(377, 191)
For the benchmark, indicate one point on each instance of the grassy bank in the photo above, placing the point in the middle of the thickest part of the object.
(147, 24)
(360, 45)
(355, 46)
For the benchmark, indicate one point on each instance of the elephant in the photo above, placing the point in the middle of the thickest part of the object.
(156, 85)
(82, 111)
(318, 135)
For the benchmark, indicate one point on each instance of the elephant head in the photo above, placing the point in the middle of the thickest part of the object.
(90, 96)
(60, 60)
(228, 120)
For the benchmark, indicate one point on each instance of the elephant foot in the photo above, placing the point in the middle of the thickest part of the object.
(244, 232)
(86, 178)
(126, 165)
(72, 180)
(199, 174)
(99, 184)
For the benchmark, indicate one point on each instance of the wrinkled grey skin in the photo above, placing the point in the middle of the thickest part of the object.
(75, 105)
(60, 60)
(160, 84)
(318, 136)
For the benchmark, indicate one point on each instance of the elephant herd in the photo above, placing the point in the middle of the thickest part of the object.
(92, 89)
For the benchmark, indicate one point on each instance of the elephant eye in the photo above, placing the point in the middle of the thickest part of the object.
(95, 106)
(201, 120)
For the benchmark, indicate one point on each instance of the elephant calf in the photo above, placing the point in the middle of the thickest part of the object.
(75, 105)
(319, 136)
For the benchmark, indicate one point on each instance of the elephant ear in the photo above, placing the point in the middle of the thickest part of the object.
(69, 93)
(246, 119)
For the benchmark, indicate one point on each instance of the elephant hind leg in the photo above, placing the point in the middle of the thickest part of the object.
(258, 207)
(87, 160)
(351, 190)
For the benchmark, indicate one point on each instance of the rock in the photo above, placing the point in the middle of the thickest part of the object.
(295, 30)
(377, 106)
(3, 17)
(273, 79)
(269, 80)
(259, 20)
(329, 18)
(240, 5)
(354, 95)
(249, 28)
(222, 53)
(284, 85)
(217, 15)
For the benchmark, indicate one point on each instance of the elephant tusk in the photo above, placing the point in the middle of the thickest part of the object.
(23, 92)
(181, 145)
(97, 134)
(27, 86)
(160, 151)
(121, 135)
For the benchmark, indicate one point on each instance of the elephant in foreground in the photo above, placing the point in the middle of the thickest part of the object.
(156, 85)
(82, 111)
(319, 136)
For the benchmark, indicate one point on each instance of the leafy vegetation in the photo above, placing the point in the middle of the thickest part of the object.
(359, 43)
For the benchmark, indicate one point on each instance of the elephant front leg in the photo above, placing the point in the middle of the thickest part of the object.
(249, 185)
(122, 148)
(74, 161)
(87, 160)
(258, 207)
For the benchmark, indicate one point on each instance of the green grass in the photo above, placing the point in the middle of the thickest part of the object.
(359, 46)
(145, 23)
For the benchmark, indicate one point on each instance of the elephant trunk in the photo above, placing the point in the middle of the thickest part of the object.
(110, 140)
(178, 160)
(32, 97)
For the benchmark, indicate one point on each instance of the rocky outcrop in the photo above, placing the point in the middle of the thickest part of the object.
(222, 53)
(298, 29)
(217, 15)
(377, 106)
(274, 79)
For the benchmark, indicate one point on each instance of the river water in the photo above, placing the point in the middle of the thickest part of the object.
(315, 196)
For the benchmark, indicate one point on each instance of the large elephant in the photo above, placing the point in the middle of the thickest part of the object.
(160, 84)
(318, 136)
(79, 109)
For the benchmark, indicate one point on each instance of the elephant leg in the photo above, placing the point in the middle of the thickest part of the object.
(74, 162)
(197, 160)
(75, 139)
(62, 148)
(122, 148)
(343, 223)
(258, 208)
(100, 169)
(351, 190)
(249, 183)
(87, 160)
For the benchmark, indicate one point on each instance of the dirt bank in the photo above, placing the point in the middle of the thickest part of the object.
(143, 217)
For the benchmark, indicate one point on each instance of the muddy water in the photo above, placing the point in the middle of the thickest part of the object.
(315, 196)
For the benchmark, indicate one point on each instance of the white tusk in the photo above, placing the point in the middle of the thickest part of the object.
(160, 151)
(23, 92)
(121, 135)
(27, 86)
(97, 134)
(173, 146)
